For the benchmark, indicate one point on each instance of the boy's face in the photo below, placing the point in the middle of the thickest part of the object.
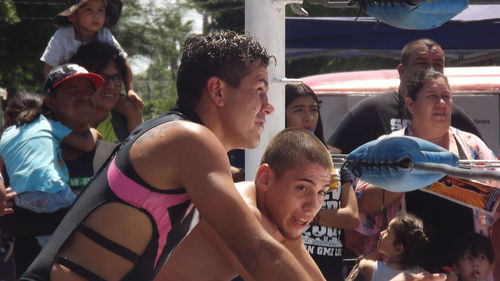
(90, 17)
(471, 268)
(292, 200)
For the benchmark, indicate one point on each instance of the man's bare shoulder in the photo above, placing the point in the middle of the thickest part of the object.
(177, 154)
(248, 191)
(176, 130)
(178, 138)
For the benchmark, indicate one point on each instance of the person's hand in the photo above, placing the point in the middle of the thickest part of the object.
(131, 112)
(238, 174)
(452, 276)
(6, 196)
(423, 276)
(96, 135)
(135, 99)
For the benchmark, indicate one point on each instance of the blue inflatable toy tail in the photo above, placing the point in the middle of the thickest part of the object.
(425, 15)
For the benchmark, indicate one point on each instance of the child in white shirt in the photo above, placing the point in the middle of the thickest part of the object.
(85, 21)
(404, 244)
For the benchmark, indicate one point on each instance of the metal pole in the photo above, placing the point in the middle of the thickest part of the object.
(265, 20)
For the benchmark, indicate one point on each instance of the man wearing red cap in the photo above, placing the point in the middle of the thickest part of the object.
(30, 151)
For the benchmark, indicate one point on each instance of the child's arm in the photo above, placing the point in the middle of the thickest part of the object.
(6, 197)
(366, 268)
(85, 142)
(6, 194)
(132, 113)
(374, 199)
(451, 276)
(129, 87)
(345, 217)
(46, 69)
(54, 53)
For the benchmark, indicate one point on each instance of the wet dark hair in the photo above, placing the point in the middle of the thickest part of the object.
(23, 108)
(291, 147)
(226, 55)
(96, 55)
(473, 244)
(409, 232)
(417, 80)
(409, 48)
(295, 91)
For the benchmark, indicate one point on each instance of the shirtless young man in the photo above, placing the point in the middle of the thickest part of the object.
(140, 205)
(288, 191)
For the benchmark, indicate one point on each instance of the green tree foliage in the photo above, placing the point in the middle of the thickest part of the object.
(8, 13)
(154, 34)
(153, 31)
(23, 37)
(223, 14)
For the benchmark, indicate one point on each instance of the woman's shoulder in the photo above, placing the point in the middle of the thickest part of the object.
(468, 138)
(478, 149)
(400, 132)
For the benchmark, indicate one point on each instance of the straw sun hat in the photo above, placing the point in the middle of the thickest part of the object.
(113, 11)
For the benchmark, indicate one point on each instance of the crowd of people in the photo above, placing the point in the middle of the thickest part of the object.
(90, 192)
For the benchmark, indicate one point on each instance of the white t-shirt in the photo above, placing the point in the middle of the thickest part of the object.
(383, 272)
(63, 45)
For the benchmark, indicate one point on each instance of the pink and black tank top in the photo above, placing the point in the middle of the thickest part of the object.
(170, 213)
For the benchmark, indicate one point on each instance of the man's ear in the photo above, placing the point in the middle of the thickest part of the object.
(49, 101)
(401, 69)
(409, 102)
(264, 177)
(215, 87)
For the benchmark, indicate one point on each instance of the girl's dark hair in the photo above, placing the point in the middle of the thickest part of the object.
(409, 232)
(417, 80)
(96, 55)
(295, 91)
(23, 108)
(473, 244)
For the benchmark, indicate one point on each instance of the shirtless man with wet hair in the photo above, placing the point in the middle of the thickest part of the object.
(137, 209)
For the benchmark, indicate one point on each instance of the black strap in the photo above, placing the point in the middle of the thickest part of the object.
(119, 123)
(108, 244)
(78, 269)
